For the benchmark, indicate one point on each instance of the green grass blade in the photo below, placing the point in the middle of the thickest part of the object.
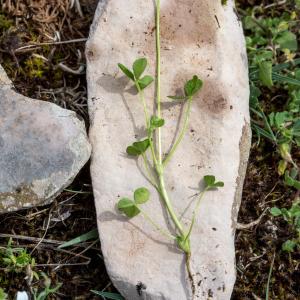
(262, 132)
(284, 66)
(107, 295)
(269, 278)
(93, 234)
(253, 74)
(285, 79)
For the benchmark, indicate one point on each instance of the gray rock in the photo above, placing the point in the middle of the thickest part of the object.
(198, 37)
(42, 148)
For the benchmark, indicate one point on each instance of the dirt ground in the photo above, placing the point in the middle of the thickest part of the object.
(33, 22)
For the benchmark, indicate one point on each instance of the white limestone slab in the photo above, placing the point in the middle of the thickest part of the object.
(198, 37)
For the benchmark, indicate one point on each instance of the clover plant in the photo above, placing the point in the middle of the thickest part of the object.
(152, 143)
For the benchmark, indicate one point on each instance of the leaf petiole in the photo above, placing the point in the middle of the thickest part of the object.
(195, 212)
(149, 172)
(158, 227)
(182, 133)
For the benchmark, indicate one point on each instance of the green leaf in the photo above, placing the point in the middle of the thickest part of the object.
(142, 146)
(126, 71)
(249, 22)
(128, 207)
(141, 195)
(107, 295)
(289, 246)
(219, 184)
(209, 180)
(145, 81)
(275, 211)
(294, 173)
(290, 181)
(286, 214)
(254, 94)
(262, 132)
(3, 295)
(285, 79)
(156, 122)
(285, 152)
(265, 73)
(132, 151)
(139, 67)
(295, 210)
(138, 148)
(93, 234)
(180, 98)
(193, 86)
(280, 118)
(282, 165)
(287, 40)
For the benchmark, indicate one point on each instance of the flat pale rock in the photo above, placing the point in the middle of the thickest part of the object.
(42, 148)
(198, 37)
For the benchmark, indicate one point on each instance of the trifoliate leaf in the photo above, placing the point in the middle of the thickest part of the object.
(141, 195)
(193, 86)
(139, 67)
(128, 207)
(126, 71)
(210, 182)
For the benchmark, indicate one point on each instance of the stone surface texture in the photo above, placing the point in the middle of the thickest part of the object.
(198, 37)
(42, 148)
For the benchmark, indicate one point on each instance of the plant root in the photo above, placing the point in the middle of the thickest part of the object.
(190, 274)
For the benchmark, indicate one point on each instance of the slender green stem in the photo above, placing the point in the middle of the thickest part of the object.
(142, 99)
(182, 133)
(148, 170)
(195, 212)
(159, 165)
(158, 227)
(158, 81)
(168, 204)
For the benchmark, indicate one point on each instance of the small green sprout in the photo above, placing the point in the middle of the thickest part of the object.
(47, 290)
(15, 260)
(292, 217)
